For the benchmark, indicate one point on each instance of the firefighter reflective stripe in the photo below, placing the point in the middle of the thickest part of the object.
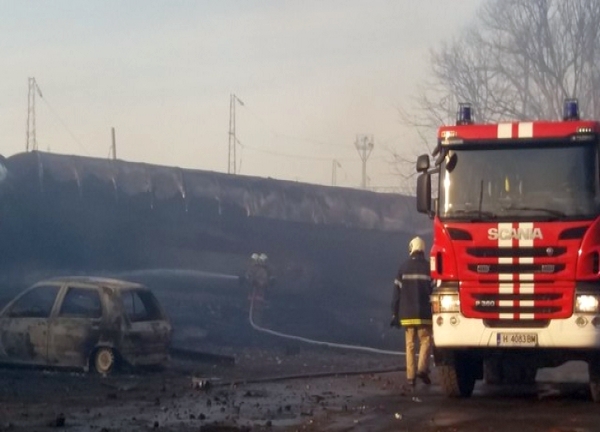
(415, 277)
(397, 283)
(416, 321)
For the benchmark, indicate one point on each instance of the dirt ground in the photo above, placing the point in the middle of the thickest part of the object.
(264, 390)
(272, 390)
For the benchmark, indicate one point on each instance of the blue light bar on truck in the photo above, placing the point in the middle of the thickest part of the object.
(464, 115)
(571, 110)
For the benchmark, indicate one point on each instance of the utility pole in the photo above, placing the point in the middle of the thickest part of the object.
(33, 88)
(113, 147)
(364, 145)
(334, 168)
(233, 141)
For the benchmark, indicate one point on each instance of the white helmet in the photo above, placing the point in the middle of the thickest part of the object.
(416, 245)
(254, 257)
(263, 257)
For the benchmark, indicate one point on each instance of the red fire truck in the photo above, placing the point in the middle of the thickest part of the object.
(516, 248)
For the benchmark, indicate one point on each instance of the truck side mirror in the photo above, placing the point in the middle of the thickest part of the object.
(423, 163)
(424, 193)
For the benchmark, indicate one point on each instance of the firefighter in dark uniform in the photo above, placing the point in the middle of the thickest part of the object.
(259, 276)
(411, 309)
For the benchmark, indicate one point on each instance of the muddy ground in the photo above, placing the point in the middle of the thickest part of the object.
(271, 390)
(256, 393)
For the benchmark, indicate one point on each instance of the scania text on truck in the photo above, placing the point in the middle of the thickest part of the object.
(516, 248)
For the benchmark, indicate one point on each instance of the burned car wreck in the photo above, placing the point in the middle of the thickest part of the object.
(91, 323)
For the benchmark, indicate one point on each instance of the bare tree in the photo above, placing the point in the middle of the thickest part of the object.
(519, 60)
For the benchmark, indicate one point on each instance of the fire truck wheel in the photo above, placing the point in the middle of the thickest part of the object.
(594, 372)
(457, 380)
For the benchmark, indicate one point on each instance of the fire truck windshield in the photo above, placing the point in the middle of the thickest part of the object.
(510, 182)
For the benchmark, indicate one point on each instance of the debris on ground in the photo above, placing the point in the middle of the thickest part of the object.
(202, 356)
(201, 383)
(58, 422)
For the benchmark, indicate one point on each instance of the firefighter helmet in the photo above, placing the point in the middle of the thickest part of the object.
(416, 245)
(254, 257)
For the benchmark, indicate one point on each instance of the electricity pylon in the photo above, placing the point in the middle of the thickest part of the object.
(364, 145)
(33, 88)
(233, 141)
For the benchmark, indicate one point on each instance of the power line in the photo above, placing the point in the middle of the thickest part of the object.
(55, 114)
(364, 149)
(277, 134)
(292, 156)
(33, 89)
(347, 175)
(305, 157)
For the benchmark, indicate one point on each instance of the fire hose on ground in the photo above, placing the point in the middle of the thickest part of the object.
(312, 341)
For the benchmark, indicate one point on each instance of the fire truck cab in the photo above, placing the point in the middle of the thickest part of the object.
(516, 248)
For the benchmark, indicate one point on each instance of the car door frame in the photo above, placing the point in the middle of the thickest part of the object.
(71, 339)
(145, 341)
(16, 346)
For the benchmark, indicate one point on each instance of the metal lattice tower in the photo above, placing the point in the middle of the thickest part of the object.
(364, 145)
(33, 88)
(233, 141)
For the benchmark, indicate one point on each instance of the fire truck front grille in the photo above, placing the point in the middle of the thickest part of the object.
(498, 323)
(495, 252)
(516, 268)
(516, 297)
(517, 283)
(542, 305)
(520, 310)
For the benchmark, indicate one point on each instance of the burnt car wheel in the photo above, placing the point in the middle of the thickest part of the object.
(104, 360)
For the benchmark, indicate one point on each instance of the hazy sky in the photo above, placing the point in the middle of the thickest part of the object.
(312, 75)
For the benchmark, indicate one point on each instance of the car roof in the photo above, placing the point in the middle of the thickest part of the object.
(93, 280)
